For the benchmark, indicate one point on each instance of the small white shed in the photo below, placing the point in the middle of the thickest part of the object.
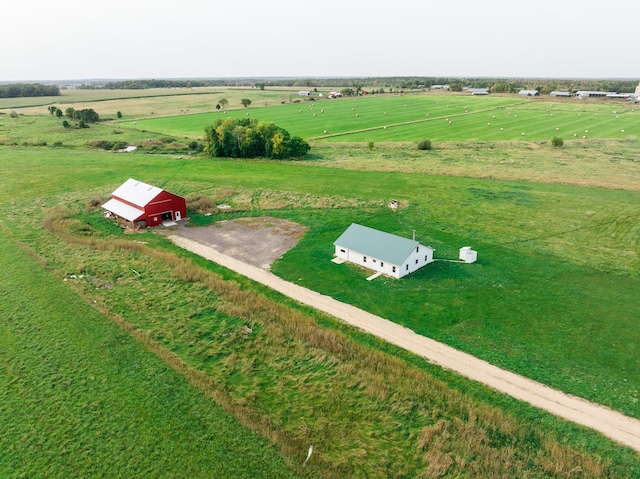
(468, 255)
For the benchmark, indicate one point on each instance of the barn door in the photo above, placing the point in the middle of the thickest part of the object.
(178, 215)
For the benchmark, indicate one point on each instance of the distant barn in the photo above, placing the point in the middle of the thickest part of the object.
(382, 252)
(138, 205)
(561, 93)
(529, 92)
(478, 91)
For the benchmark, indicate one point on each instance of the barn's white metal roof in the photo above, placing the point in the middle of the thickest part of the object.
(123, 210)
(137, 192)
(377, 244)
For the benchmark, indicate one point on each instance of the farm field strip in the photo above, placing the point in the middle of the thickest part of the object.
(411, 118)
(81, 397)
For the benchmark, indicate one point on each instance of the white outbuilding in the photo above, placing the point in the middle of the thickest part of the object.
(382, 252)
(468, 255)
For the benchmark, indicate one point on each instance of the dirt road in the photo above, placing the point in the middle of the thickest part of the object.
(613, 424)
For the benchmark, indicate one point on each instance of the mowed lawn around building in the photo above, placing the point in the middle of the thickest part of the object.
(437, 117)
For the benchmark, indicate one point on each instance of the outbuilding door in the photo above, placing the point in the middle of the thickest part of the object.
(178, 215)
(167, 216)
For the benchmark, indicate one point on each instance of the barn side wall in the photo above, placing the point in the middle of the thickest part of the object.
(163, 203)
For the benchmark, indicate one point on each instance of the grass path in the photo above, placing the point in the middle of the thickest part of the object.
(612, 424)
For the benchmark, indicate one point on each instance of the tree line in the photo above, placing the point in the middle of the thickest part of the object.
(146, 84)
(250, 138)
(385, 84)
(18, 90)
(497, 85)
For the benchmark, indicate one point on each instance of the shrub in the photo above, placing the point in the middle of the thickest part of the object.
(424, 144)
(13, 114)
(196, 146)
(370, 146)
(557, 142)
(152, 144)
(119, 145)
(201, 204)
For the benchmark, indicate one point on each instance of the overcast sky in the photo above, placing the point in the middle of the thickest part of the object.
(85, 39)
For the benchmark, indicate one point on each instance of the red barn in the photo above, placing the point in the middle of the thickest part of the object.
(138, 204)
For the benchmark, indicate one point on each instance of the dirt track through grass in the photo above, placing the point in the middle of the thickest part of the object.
(615, 425)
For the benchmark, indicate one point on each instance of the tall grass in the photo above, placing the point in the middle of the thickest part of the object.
(80, 397)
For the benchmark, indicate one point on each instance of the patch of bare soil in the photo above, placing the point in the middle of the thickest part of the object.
(255, 241)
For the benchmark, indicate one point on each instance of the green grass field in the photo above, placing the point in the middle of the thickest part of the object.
(81, 398)
(553, 296)
(438, 117)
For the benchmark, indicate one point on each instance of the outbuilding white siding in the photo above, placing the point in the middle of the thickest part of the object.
(382, 252)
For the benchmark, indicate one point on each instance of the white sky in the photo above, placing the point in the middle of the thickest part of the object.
(85, 39)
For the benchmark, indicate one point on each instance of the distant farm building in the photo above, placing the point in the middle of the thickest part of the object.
(334, 94)
(304, 93)
(529, 92)
(382, 252)
(561, 93)
(478, 91)
(440, 87)
(137, 205)
(582, 94)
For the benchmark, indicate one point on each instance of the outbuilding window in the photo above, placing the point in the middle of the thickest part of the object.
(364, 259)
(393, 269)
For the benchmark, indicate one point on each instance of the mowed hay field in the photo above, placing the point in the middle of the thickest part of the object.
(553, 296)
(412, 117)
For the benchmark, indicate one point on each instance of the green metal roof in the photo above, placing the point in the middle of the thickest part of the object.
(377, 244)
